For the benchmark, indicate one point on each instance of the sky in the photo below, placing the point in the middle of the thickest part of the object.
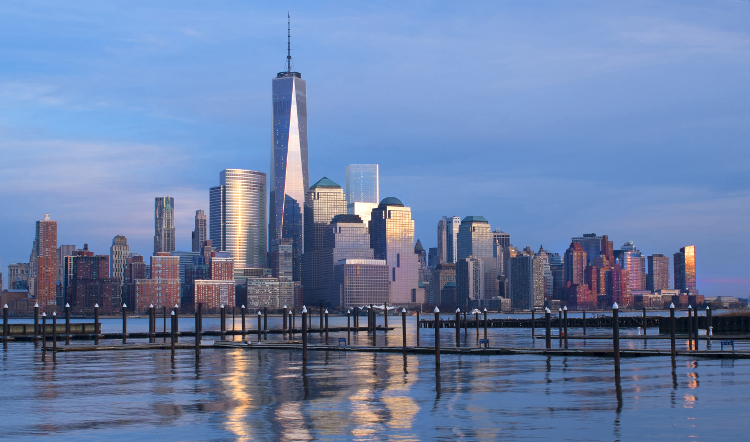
(551, 119)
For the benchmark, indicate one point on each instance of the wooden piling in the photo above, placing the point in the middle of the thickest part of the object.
(321, 318)
(265, 322)
(6, 325)
(437, 339)
(548, 328)
(709, 324)
(44, 333)
(403, 328)
(176, 312)
(616, 338)
(476, 323)
(458, 327)
(532, 323)
(67, 324)
(690, 328)
(125, 324)
(326, 325)
(348, 327)
(36, 321)
(644, 324)
(485, 323)
(97, 326)
(151, 324)
(417, 328)
(672, 327)
(54, 332)
(284, 325)
(385, 315)
(695, 325)
(198, 330)
(260, 326)
(584, 323)
(565, 325)
(173, 334)
(304, 335)
(559, 326)
(244, 325)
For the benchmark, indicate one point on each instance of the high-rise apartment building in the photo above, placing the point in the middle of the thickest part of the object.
(237, 221)
(289, 168)
(470, 282)
(475, 238)
(162, 289)
(91, 284)
(542, 277)
(618, 287)
(452, 226)
(200, 233)
(118, 258)
(634, 262)
(658, 272)
(501, 238)
(521, 281)
(62, 251)
(442, 241)
(392, 239)
(362, 210)
(18, 276)
(44, 260)
(324, 200)
(684, 270)
(346, 237)
(164, 232)
(361, 282)
(575, 263)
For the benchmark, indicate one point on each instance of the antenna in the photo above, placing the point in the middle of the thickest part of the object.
(288, 42)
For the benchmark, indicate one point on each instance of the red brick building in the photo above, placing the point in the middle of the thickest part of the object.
(163, 289)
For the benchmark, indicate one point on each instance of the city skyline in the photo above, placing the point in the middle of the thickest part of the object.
(715, 200)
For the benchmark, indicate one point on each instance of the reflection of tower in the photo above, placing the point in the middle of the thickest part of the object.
(289, 171)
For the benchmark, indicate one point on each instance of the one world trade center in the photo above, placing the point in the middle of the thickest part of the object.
(289, 172)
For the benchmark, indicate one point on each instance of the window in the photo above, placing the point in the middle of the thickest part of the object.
(398, 260)
(394, 274)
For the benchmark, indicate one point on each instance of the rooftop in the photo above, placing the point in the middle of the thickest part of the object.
(391, 201)
(475, 219)
(325, 182)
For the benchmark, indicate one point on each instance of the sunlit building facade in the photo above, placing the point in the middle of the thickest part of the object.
(289, 167)
(200, 233)
(237, 221)
(475, 238)
(684, 270)
(44, 262)
(658, 273)
(362, 282)
(346, 237)
(323, 202)
(392, 239)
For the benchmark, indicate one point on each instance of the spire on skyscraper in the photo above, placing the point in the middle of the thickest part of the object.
(288, 42)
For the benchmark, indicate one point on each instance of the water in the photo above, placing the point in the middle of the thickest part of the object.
(268, 395)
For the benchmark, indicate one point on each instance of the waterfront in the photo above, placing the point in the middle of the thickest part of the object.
(263, 394)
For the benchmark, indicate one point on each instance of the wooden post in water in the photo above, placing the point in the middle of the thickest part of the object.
(265, 322)
(709, 325)
(584, 323)
(616, 338)
(671, 322)
(417, 328)
(458, 327)
(233, 319)
(559, 327)
(176, 312)
(356, 319)
(200, 321)
(385, 316)
(437, 338)
(374, 317)
(223, 315)
(403, 327)
(54, 332)
(476, 322)
(695, 324)
(304, 335)
(165, 319)
(260, 326)
(548, 327)
(198, 332)
(67, 324)
(244, 326)
(309, 320)
(690, 328)
(44, 333)
(151, 324)
(6, 326)
(36, 322)
(326, 325)
(284, 327)
(97, 326)
(644, 322)
(466, 326)
(348, 327)
(294, 321)
(565, 325)
(125, 324)
(321, 318)
(173, 333)
(485, 323)
(532, 323)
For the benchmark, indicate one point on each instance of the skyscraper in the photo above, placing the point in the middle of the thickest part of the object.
(452, 224)
(323, 202)
(118, 259)
(237, 209)
(346, 237)
(575, 263)
(200, 232)
(442, 241)
(362, 183)
(521, 281)
(474, 238)
(635, 263)
(44, 258)
(164, 234)
(392, 239)
(658, 272)
(591, 244)
(684, 270)
(289, 168)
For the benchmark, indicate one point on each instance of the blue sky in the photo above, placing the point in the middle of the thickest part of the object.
(551, 119)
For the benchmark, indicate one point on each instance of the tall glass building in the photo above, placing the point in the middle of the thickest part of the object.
(362, 183)
(323, 202)
(684, 270)
(346, 237)
(237, 216)
(475, 238)
(392, 239)
(289, 169)
(164, 233)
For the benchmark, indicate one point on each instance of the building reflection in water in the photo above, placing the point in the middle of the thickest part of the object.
(235, 385)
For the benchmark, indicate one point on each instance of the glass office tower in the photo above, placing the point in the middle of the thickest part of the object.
(237, 221)
(362, 183)
(289, 170)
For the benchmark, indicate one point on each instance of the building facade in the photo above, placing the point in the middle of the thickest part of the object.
(658, 273)
(346, 237)
(324, 201)
(392, 239)
(164, 230)
(118, 258)
(200, 232)
(362, 282)
(237, 221)
(475, 238)
(44, 263)
(684, 270)
(521, 281)
(362, 183)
